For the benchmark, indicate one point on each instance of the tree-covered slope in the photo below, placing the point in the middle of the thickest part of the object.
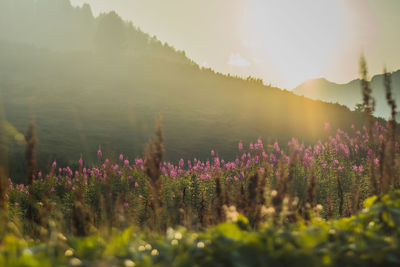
(107, 89)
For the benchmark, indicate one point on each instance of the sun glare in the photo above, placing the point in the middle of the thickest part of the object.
(299, 38)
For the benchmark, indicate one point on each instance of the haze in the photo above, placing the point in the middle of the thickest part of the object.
(283, 42)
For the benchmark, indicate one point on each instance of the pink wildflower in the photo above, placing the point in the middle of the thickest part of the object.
(276, 147)
(240, 145)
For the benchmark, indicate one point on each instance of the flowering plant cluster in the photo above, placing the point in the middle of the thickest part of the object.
(334, 173)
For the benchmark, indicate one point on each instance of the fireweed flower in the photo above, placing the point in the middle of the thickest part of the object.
(80, 162)
(276, 147)
(216, 162)
(126, 162)
(121, 157)
(182, 162)
(260, 143)
(99, 153)
(54, 165)
(240, 146)
(327, 125)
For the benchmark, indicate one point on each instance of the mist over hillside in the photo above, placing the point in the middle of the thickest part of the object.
(349, 94)
(93, 82)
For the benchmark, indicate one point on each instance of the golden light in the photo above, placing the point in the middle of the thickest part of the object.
(300, 38)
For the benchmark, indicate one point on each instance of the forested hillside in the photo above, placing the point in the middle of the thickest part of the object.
(91, 82)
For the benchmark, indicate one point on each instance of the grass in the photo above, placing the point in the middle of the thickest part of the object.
(370, 238)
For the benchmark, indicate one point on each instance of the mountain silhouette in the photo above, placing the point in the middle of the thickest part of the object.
(349, 94)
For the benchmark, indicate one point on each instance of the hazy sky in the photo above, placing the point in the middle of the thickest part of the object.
(283, 42)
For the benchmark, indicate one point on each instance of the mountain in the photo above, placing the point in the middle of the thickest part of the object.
(349, 94)
(100, 81)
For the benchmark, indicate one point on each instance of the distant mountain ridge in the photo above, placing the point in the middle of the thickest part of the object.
(349, 94)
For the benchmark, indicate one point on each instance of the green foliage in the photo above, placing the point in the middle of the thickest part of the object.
(371, 238)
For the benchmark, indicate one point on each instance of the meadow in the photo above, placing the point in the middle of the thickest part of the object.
(329, 196)
(296, 206)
